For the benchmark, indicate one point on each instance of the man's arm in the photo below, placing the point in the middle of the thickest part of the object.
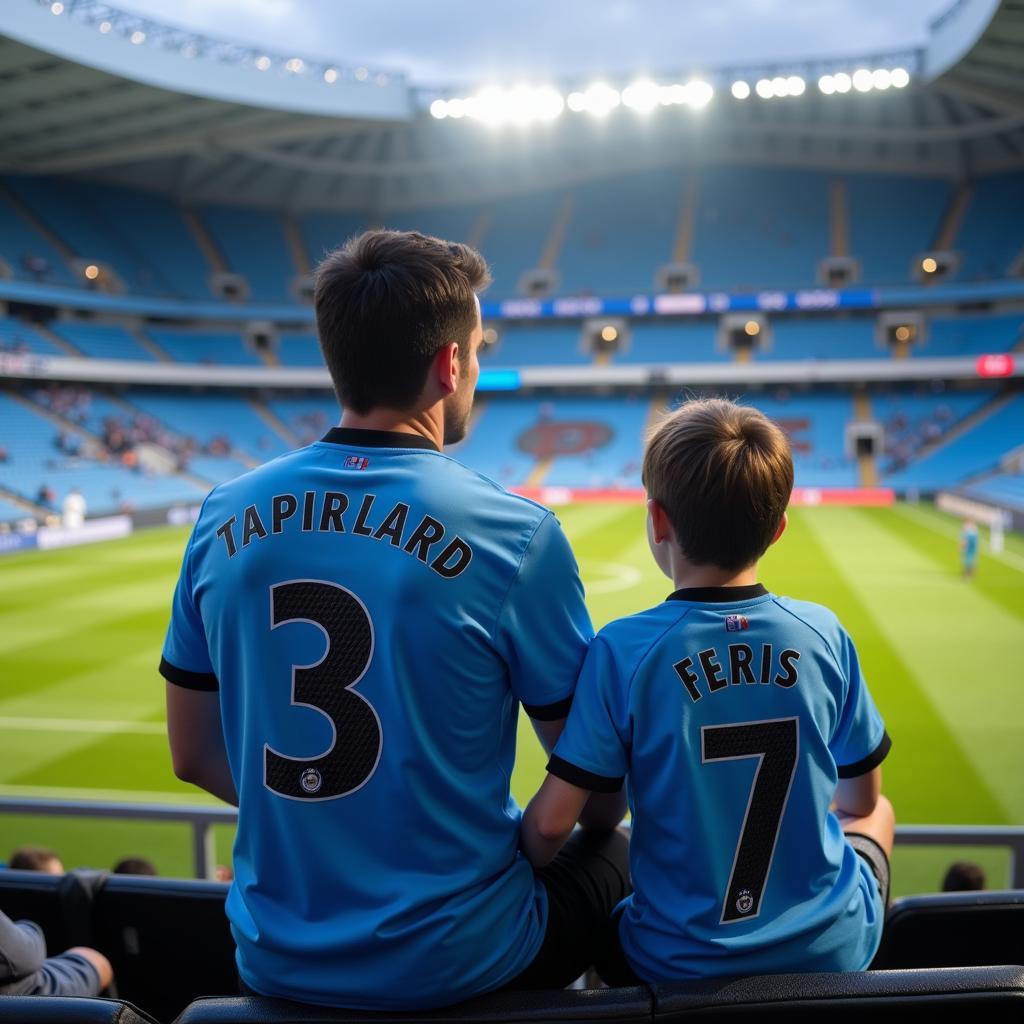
(550, 818)
(197, 741)
(857, 797)
(22, 949)
(602, 811)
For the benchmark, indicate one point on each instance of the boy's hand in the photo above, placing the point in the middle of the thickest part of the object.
(550, 818)
(856, 798)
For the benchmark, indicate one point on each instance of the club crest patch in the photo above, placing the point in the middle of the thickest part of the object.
(734, 623)
(311, 781)
(745, 903)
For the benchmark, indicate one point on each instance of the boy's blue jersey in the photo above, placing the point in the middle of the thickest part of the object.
(731, 713)
(970, 543)
(373, 614)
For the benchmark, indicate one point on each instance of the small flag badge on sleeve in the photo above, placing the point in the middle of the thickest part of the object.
(734, 623)
(356, 462)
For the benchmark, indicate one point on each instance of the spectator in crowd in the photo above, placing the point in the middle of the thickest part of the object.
(135, 866)
(5, 455)
(964, 876)
(37, 267)
(45, 496)
(36, 858)
(74, 509)
(25, 969)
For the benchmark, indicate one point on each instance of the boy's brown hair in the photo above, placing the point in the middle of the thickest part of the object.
(723, 473)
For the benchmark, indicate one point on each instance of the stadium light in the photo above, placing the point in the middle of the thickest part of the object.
(842, 82)
(57, 8)
(331, 76)
(899, 77)
(902, 333)
(827, 84)
(362, 74)
(881, 78)
(138, 37)
(609, 333)
(796, 85)
(764, 88)
(189, 51)
(490, 336)
(698, 93)
(456, 108)
(262, 63)
(862, 80)
(929, 265)
(92, 271)
(752, 328)
(105, 27)
(576, 102)
(601, 99)
(741, 90)
(642, 96)
(439, 109)
(780, 85)
(295, 65)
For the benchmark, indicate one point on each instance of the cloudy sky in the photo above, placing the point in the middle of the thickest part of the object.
(479, 41)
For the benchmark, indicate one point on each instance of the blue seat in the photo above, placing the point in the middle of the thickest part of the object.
(68, 1010)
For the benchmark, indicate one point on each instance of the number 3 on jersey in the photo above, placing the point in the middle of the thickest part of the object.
(327, 686)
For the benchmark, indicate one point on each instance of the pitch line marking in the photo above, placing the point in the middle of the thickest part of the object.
(621, 577)
(98, 725)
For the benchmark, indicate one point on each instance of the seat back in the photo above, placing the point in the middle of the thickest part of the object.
(589, 1006)
(953, 929)
(65, 1010)
(987, 993)
(59, 904)
(167, 939)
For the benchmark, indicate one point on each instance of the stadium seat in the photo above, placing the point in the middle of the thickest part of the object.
(66, 1010)
(59, 904)
(954, 929)
(990, 993)
(588, 1005)
(167, 939)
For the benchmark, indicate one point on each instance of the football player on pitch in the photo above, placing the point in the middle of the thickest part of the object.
(751, 745)
(355, 627)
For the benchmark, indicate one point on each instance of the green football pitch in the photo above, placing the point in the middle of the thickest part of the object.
(81, 704)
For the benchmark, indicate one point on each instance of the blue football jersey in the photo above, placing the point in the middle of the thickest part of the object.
(731, 713)
(373, 614)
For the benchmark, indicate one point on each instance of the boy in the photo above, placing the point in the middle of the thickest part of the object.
(745, 728)
(969, 547)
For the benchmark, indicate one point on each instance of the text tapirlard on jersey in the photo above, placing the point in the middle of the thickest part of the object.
(326, 511)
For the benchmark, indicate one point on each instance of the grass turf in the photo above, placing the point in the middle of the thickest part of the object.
(81, 706)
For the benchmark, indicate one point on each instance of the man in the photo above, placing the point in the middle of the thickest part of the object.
(36, 858)
(74, 509)
(354, 628)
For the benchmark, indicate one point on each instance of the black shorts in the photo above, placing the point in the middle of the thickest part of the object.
(877, 860)
(585, 882)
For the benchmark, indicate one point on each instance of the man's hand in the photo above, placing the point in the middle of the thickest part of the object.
(550, 818)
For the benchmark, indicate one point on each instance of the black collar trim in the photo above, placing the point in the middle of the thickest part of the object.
(359, 438)
(719, 595)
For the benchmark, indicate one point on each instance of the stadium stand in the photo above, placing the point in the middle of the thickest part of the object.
(1001, 489)
(972, 335)
(299, 350)
(953, 929)
(253, 244)
(821, 338)
(517, 233)
(991, 233)
(680, 342)
(30, 255)
(204, 346)
(537, 345)
(101, 341)
(326, 230)
(18, 336)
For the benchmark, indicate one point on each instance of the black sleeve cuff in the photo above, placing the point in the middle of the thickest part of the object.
(577, 776)
(866, 764)
(549, 712)
(205, 681)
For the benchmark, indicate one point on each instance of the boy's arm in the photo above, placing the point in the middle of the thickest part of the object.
(550, 818)
(858, 797)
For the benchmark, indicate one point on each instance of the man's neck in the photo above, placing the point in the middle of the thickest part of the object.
(428, 424)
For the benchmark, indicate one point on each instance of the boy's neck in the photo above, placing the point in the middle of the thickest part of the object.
(687, 576)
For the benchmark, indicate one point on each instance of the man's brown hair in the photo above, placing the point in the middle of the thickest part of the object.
(723, 473)
(386, 303)
(32, 858)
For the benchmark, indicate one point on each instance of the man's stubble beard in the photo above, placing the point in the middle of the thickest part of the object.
(456, 418)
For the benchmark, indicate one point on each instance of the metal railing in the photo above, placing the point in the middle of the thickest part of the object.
(202, 819)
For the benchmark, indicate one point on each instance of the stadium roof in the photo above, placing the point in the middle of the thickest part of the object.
(207, 121)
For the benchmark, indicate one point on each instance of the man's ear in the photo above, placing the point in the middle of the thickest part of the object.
(661, 526)
(783, 523)
(447, 368)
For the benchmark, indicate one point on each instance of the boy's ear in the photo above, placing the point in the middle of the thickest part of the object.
(661, 526)
(783, 523)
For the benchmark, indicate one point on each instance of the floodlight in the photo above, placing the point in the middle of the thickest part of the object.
(698, 93)
(862, 81)
(577, 102)
(842, 82)
(548, 103)
(899, 77)
(439, 109)
(929, 265)
(881, 78)
(741, 90)
(827, 84)
(765, 89)
(362, 74)
(92, 271)
(601, 99)
(902, 333)
(295, 65)
(672, 95)
(796, 85)
(57, 8)
(752, 328)
(456, 108)
(641, 96)
(780, 85)
(105, 27)
(189, 50)
(262, 63)
(331, 76)
(609, 333)
(138, 37)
